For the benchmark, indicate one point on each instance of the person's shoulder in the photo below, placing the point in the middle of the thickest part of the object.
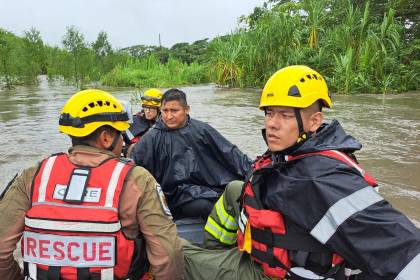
(140, 173)
(202, 126)
(317, 162)
(198, 122)
(326, 168)
(32, 170)
(140, 180)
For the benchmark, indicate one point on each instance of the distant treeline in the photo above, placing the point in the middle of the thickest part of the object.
(359, 46)
(79, 62)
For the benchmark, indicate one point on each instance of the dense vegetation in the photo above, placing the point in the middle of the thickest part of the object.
(359, 46)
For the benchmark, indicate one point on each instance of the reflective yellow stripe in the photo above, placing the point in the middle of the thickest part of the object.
(226, 220)
(220, 233)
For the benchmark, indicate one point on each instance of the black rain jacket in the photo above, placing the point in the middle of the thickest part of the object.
(378, 240)
(191, 162)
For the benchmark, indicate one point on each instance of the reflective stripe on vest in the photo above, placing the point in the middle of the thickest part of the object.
(113, 184)
(75, 206)
(72, 226)
(107, 274)
(218, 232)
(225, 219)
(45, 177)
(33, 271)
(347, 206)
(224, 230)
(129, 134)
(342, 210)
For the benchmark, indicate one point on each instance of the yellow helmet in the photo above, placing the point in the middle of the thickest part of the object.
(87, 110)
(151, 98)
(295, 86)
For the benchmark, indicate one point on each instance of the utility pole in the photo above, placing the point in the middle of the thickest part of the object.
(160, 43)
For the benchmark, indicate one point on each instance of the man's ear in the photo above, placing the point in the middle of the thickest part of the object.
(315, 121)
(105, 139)
(187, 109)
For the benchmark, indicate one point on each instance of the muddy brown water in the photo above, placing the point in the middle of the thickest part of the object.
(387, 126)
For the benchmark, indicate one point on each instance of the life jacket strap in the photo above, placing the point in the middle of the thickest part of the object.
(32, 272)
(269, 258)
(83, 273)
(251, 202)
(54, 273)
(290, 241)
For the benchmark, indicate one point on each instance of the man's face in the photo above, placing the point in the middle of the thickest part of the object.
(174, 115)
(281, 128)
(150, 113)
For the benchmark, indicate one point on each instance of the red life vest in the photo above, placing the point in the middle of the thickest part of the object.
(76, 240)
(269, 243)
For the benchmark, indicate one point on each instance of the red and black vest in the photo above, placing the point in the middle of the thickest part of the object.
(274, 242)
(70, 238)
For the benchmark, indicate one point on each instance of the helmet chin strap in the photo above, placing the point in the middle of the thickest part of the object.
(302, 134)
(114, 142)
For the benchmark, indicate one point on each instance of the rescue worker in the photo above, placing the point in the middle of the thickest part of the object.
(191, 160)
(143, 120)
(88, 214)
(308, 210)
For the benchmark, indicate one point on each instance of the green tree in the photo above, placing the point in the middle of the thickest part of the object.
(138, 50)
(34, 53)
(74, 42)
(199, 49)
(181, 51)
(7, 58)
(103, 51)
(161, 53)
(101, 46)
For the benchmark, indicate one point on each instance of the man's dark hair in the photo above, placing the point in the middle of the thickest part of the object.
(93, 136)
(320, 105)
(175, 94)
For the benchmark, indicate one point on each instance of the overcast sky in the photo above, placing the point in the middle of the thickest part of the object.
(127, 22)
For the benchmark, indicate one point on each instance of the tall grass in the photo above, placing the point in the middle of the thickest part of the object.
(355, 51)
(226, 60)
(150, 72)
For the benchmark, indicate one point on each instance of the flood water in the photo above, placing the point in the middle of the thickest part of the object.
(387, 126)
